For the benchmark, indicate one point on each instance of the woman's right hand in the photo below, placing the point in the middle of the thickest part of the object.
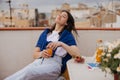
(38, 53)
(45, 54)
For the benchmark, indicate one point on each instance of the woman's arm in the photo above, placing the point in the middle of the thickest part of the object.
(72, 50)
(37, 53)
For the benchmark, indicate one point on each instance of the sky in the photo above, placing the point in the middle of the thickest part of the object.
(48, 5)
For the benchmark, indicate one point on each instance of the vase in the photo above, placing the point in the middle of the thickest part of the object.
(116, 77)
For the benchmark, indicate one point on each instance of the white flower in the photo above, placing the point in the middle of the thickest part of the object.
(108, 70)
(117, 56)
(106, 60)
(118, 69)
(109, 50)
(103, 53)
(111, 47)
(116, 42)
(108, 55)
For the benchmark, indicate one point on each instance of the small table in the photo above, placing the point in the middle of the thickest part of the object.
(79, 71)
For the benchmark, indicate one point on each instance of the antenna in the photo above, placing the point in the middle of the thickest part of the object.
(9, 2)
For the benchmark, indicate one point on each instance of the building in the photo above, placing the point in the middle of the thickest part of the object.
(21, 17)
(78, 13)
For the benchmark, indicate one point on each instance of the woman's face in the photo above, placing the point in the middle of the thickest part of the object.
(62, 18)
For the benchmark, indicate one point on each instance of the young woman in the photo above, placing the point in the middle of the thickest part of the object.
(60, 39)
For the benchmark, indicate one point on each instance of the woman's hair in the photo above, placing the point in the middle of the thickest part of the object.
(70, 23)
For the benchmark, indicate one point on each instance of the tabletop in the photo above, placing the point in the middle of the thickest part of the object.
(81, 71)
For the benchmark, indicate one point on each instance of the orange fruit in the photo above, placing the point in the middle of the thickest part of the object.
(50, 51)
(79, 59)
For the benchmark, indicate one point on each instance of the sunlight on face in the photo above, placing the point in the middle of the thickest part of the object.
(62, 18)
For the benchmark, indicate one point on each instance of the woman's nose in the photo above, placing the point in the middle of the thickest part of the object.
(59, 16)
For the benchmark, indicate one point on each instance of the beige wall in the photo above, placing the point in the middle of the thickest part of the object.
(16, 47)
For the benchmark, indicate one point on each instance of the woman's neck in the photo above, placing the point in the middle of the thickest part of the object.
(58, 28)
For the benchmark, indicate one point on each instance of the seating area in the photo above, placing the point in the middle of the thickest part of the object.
(16, 47)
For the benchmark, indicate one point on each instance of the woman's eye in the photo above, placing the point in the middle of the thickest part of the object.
(64, 16)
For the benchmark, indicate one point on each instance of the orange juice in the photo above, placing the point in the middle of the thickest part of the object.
(98, 55)
(99, 50)
(50, 51)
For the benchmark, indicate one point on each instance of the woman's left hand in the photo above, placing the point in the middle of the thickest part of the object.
(54, 45)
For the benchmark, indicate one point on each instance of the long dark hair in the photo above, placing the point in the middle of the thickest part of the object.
(70, 23)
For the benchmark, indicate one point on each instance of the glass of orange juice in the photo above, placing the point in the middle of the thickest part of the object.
(50, 51)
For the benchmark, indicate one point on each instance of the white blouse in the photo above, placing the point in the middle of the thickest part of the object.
(54, 37)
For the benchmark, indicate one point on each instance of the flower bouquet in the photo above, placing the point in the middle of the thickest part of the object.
(108, 56)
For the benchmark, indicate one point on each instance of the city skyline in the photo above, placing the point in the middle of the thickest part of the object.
(47, 6)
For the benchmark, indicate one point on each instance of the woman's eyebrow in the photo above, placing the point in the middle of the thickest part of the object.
(64, 15)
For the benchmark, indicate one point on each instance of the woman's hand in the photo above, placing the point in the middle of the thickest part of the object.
(54, 45)
(45, 54)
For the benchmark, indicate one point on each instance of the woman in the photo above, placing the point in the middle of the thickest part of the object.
(60, 39)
